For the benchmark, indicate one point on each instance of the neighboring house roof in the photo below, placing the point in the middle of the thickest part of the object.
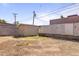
(69, 19)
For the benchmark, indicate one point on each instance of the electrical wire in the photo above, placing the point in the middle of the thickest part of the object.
(56, 11)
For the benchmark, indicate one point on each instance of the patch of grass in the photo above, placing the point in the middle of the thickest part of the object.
(34, 38)
(24, 44)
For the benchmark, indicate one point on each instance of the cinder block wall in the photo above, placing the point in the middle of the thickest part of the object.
(8, 30)
(20, 30)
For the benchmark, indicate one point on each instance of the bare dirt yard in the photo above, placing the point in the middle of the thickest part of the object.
(37, 46)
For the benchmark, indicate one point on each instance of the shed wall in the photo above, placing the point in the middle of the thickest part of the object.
(44, 29)
(76, 29)
(52, 29)
(27, 30)
(59, 29)
(69, 29)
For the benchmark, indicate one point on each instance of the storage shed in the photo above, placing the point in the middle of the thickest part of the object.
(69, 19)
(68, 26)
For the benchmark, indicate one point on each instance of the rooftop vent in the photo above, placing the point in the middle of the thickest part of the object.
(62, 16)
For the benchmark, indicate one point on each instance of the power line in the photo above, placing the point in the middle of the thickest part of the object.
(58, 10)
(71, 9)
(51, 12)
(54, 12)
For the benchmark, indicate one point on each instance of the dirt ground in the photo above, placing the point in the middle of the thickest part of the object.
(37, 46)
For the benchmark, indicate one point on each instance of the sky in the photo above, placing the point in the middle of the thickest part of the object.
(44, 11)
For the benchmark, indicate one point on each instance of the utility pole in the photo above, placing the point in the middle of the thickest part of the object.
(34, 15)
(15, 18)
